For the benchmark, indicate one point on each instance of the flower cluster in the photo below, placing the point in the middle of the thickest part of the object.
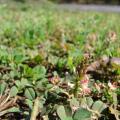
(54, 80)
(85, 90)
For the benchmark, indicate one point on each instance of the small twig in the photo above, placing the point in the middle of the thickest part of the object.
(2, 98)
(7, 105)
(5, 101)
(3, 112)
(35, 109)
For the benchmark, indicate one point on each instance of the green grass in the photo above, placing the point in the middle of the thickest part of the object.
(40, 44)
(39, 24)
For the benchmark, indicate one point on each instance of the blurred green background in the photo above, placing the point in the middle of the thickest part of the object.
(112, 2)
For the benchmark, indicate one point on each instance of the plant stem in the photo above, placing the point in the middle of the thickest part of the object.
(76, 87)
(35, 109)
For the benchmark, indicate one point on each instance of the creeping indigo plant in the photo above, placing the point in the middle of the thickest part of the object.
(43, 68)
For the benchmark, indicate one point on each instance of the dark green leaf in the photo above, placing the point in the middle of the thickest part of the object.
(2, 87)
(98, 106)
(30, 93)
(13, 91)
(82, 114)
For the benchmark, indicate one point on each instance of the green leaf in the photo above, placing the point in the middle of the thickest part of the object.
(70, 62)
(115, 100)
(18, 58)
(53, 59)
(24, 82)
(39, 72)
(74, 102)
(69, 118)
(98, 106)
(61, 112)
(38, 59)
(68, 111)
(14, 109)
(28, 72)
(30, 93)
(2, 87)
(18, 83)
(83, 102)
(41, 84)
(29, 103)
(13, 91)
(82, 114)
(10, 110)
(89, 101)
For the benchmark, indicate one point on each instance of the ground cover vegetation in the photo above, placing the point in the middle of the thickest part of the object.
(59, 65)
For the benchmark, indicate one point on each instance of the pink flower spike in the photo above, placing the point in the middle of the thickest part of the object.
(87, 91)
(85, 80)
(84, 85)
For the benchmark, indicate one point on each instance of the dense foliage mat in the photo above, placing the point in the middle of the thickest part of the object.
(59, 65)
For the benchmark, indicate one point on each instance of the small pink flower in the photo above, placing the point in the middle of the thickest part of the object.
(54, 80)
(84, 85)
(85, 81)
(86, 91)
